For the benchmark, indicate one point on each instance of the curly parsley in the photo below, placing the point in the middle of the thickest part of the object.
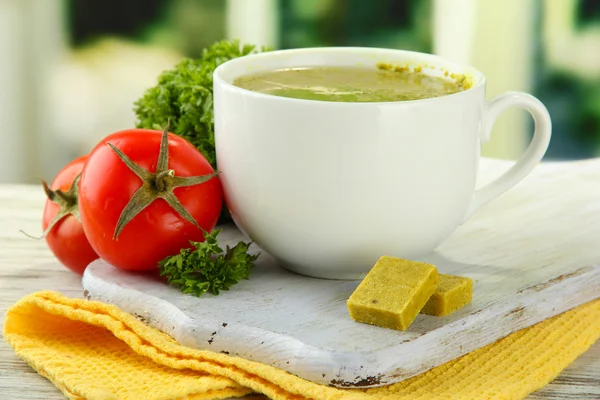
(206, 268)
(184, 96)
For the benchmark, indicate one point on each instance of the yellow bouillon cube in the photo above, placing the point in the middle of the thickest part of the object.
(452, 293)
(393, 293)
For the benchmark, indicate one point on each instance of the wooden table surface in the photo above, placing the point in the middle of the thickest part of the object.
(27, 266)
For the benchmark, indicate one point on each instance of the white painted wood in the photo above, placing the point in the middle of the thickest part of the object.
(27, 266)
(533, 253)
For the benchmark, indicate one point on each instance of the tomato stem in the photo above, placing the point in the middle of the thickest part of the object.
(160, 181)
(164, 174)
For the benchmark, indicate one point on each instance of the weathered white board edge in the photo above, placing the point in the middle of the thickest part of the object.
(345, 369)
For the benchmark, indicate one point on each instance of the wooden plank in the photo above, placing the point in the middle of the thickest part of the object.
(27, 266)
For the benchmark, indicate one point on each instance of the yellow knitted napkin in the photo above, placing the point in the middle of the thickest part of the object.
(91, 350)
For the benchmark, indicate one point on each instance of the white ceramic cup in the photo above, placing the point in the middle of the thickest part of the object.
(327, 187)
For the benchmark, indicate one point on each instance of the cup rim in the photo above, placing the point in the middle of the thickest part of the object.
(406, 54)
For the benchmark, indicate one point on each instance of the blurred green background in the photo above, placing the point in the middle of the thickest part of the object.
(72, 68)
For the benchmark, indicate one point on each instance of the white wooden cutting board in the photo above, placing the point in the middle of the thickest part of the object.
(532, 253)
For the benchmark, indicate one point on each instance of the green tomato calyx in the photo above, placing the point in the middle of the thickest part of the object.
(156, 185)
(67, 201)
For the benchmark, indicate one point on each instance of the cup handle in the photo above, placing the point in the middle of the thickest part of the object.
(532, 156)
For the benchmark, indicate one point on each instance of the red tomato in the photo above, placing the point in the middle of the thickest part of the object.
(158, 230)
(66, 238)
